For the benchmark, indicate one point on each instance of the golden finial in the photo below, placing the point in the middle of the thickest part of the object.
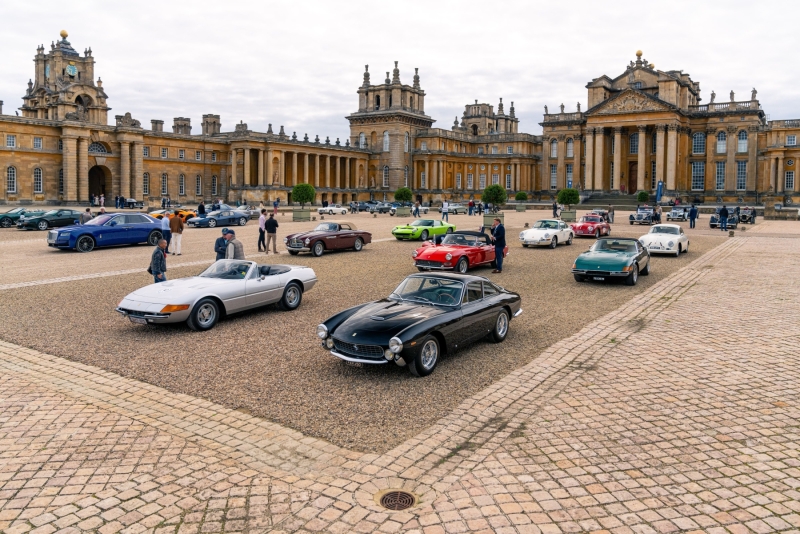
(63, 34)
(638, 53)
(652, 65)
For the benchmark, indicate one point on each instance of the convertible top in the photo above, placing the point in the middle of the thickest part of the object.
(348, 223)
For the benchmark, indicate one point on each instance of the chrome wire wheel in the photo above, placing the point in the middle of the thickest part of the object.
(429, 354)
(206, 315)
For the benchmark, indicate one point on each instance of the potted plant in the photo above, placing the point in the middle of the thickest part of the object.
(302, 193)
(403, 194)
(496, 196)
(521, 196)
(568, 197)
(642, 196)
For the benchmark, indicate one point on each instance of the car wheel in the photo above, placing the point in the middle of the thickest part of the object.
(204, 315)
(423, 236)
(554, 242)
(212, 223)
(579, 277)
(292, 297)
(632, 278)
(686, 250)
(6, 222)
(597, 234)
(294, 252)
(678, 252)
(154, 237)
(358, 245)
(631, 223)
(569, 241)
(463, 265)
(242, 221)
(318, 249)
(425, 361)
(646, 270)
(500, 327)
(449, 230)
(42, 225)
(85, 244)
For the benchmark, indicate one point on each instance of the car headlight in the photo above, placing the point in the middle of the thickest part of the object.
(322, 331)
(448, 257)
(395, 345)
(591, 228)
(307, 241)
(671, 244)
(546, 236)
(522, 235)
(414, 254)
(285, 239)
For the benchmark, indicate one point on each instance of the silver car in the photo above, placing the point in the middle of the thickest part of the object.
(226, 287)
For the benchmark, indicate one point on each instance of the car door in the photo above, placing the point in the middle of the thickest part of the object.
(262, 289)
(138, 228)
(345, 237)
(642, 256)
(563, 232)
(62, 218)
(473, 314)
(112, 232)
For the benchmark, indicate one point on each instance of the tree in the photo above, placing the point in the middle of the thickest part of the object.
(569, 197)
(403, 194)
(494, 195)
(303, 193)
(642, 196)
(521, 196)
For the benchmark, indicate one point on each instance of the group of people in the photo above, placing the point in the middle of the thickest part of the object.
(477, 208)
(172, 231)
(225, 247)
(166, 203)
(97, 200)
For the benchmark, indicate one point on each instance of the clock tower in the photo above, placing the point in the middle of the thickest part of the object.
(63, 87)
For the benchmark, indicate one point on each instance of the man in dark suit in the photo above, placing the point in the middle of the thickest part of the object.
(723, 218)
(499, 240)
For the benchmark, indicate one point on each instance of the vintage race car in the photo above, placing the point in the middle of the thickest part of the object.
(621, 257)
(747, 215)
(547, 232)
(226, 287)
(733, 220)
(458, 251)
(425, 317)
(333, 235)
(665, 239)
(332, 209)
(643, 215)
(422, 229)
(591, 226)
(678, 213)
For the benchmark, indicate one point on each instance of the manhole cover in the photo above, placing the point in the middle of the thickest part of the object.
(397, 500)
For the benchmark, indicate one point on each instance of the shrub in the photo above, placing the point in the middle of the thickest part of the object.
(569, 197)
(494, 195)
(303, 193)
(403, 194)
(642, 196)
(521, 196)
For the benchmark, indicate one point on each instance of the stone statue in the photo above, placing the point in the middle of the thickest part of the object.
(372, 181)
(579, 107)
(361, 183)
(753, 94)
(562, 108)
(275, 180)
(713, 96)
(545, 111)
(732, 96)
(631, 77)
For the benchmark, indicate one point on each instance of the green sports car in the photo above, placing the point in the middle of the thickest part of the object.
(422, 229)
(608, 258)
(51, 219)
(10, 218)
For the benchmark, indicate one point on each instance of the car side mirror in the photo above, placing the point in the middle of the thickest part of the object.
(112, 223)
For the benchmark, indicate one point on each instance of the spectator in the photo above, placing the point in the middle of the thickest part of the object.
(262, 231)
(479, 205)
(163, 203)
(116, 202)
(234, 250)
(445, 207)
(86, 216)
(102, 211)
(275, 206)
(158, 262)
(658, 213)
(176, 229)
(220, 245)
(723, 218)
(692, 216)
(415, 212)
(555, 209)
(499, 240)
(271, 226)
(471, 206)
(201, 209)
(165, 231)
(610, 214)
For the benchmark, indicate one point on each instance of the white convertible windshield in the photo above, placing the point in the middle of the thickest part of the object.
(552, 225)
(429, 289)
(227, 269)
(664, 230)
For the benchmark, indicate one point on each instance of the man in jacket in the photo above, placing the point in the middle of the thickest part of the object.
(176, 229)
(271, 226)
(201, 209)
(235, 249)
(723, 218)
(692, 215)
(220, 245)
(499, 240)
(165, 230)
(86, 216)
(158, 262)
(555, 209)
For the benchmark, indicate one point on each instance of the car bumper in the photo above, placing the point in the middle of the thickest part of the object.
(358, 360)
(401, 235)
(661, 250)
(438, 266)
(298, 249)
(536, 242)
(601, 274)
(154, 318)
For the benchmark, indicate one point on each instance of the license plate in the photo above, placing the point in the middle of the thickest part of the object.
(598, 278)
(137, 320)
(655, 248)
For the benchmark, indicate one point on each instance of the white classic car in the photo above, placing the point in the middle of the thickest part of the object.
(665, 239)
(547, 232)
(226, 287)
(332, 209)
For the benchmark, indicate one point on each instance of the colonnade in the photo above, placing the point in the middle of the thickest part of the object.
(433, 174)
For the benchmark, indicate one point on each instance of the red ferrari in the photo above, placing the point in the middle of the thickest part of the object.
(459, 251)
(591, 226)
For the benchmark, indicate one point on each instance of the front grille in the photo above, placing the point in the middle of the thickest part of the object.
(429, 263)
(52, 235)
(296, 243)
(373, 352)
(598, 273)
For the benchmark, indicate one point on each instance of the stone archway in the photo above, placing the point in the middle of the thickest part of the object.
(100, 181)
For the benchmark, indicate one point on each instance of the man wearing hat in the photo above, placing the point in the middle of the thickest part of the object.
(220, 245)
(235, 249)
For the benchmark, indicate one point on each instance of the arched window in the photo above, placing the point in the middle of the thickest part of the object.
(164, 189)
(722, 143)
(406, 143)
(213, 185)
(553, 148)
(11, 180)
(570, 148)
(98, 148)
(742, 145)
(474, 129)
(146, 184)
(362, 140)
(699, 143)
(37, 180)
(181, 185)
(198, 186)
(405, 177)
(386, 141)
(385, 176)
(633, 143)
(60, 181)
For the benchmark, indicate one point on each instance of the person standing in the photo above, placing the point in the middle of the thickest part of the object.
(658, 213)
(271, 225)
(470, 206)
(176, 230)
(234, 249)
(220, 245)
(445, 207)
(86, 216)
(163, 203)
(262, 231)
(158, 262)
(499, 240)
(201, 209)
(165, 230)
(415, 213)
(275, 206)
(555, 209)
(692, 216)
(723, 218)
(610, 214)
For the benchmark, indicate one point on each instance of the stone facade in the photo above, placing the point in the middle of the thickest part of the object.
(642, 127)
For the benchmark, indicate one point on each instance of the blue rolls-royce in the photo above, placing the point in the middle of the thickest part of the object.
(219, 218)
(107, 230)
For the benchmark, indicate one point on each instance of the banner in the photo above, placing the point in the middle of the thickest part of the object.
(659, 191)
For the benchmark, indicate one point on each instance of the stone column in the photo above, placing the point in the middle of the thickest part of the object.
(600, 159)
(517, 185)
(752, 159)
(711, 171)
(327, 171)
(781, 175)
(661, 130)
(672, 156)
(260, 167)
(772, 181)
(561, 172)
(545, 185)
(730, 165)
(642, 159)
(576, 160)
(234, 155)
(125, 168)
(294, 169)
(305, 168)
(590, 185)
(347, 173)
(268, 178)
(83, 169)
(617, 159)
(136, 172)
(427, 177)
(338, 163)
(246, 167)
(281, 168)
(316, 170)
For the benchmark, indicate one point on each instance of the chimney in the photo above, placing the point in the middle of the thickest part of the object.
(1, 107)
(157, 125)
(182, 125)
(211, 124)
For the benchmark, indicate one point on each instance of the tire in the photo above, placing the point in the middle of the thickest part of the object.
(423, 236)
(678, 252)
(646, 270)
(569, 241)
(463, 265)
(597, 234)
(524, 245)
(42, 225)
(5, 222)
(212, 223)
(449, 230)
(204, 315)
(318, 249)
(358, 245)
(500, 330)
(425, 361)
(294, 252)
(85, 243)
(242, 221)
(632, 278)
(631, 223)
(292, 297)
(554, 242)
(579, 277)
(686, 250)
(154, 237)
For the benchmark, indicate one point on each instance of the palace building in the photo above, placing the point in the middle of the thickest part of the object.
(643, 127)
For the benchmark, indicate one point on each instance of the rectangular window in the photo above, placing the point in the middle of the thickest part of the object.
(570, 148)
(422, 180)
(495, 179)
(11, 141)
(494, 150)
(11, 180)
(480, 150)
(181, 154)
(719, 182)
(146, 151)
(482, 181)
(634, 143)
(37, 142)
(791, 140)
(722, 143)
(742, 142)
(423, 146)
(198, 155)
(741, 175)
(37, 181)
(569, 171)
(788, 184)
(637, 85)
(146, 184)
(458, 180)
(509, 150)
(698, 175)
(653, 175)
(612, 176)
(164, 153)
(213, 156)
(198, 186)
(61, 181)
(163, 184)
(553, 176)
(470, 180)
(508, 181)
(182, 185)
(699, 143)
(654, 143)
(60, 145)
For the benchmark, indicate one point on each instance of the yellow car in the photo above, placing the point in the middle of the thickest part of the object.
(182, 213)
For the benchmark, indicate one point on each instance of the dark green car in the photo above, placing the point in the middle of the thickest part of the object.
(10, 218)
(609, 258)
(51, 219)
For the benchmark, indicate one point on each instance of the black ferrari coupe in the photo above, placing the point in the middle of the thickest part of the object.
(428, 315)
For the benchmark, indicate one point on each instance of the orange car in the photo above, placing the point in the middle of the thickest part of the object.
(182, 213)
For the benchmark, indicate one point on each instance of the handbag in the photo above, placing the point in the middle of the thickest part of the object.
(149, 270)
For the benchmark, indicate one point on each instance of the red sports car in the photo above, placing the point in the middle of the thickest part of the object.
(591, 226)
(458, 252)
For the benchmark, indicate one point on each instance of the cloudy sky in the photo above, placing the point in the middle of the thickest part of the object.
(300, 63)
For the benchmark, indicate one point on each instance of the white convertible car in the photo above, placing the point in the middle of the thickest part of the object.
(665, 239)
(226, 287)
(332, 209)
(547, 232)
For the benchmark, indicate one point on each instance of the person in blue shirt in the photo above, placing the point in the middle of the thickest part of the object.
(165, 231)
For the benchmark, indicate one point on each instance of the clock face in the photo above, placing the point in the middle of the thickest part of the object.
(47, 71)
(72, 70)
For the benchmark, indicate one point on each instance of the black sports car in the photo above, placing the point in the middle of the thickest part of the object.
(52, 219)
(428, 315)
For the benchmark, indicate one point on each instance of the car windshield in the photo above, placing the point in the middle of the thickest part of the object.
(227, 270)
(213, 214)
(100, 220)
(52, 212)
(460, 239)
(546, 224)
(327, 227)
(16, 210)
(614, 245)
(422, 222)
(644, 210)
(429, 290)
(590, 219)
(664, 230)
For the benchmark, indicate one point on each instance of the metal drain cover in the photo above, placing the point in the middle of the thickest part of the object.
(397, 500)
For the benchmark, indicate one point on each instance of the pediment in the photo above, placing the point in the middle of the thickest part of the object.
(630, 102)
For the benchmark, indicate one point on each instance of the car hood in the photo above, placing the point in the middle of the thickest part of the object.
(437, 250)
(178, 291)
(539, 231)
(603, 260)
(379, 321)
(659, 237)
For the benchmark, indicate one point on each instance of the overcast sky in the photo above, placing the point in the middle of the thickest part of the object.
(300, 63)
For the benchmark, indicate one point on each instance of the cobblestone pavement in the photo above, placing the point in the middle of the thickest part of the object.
(675, 413)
